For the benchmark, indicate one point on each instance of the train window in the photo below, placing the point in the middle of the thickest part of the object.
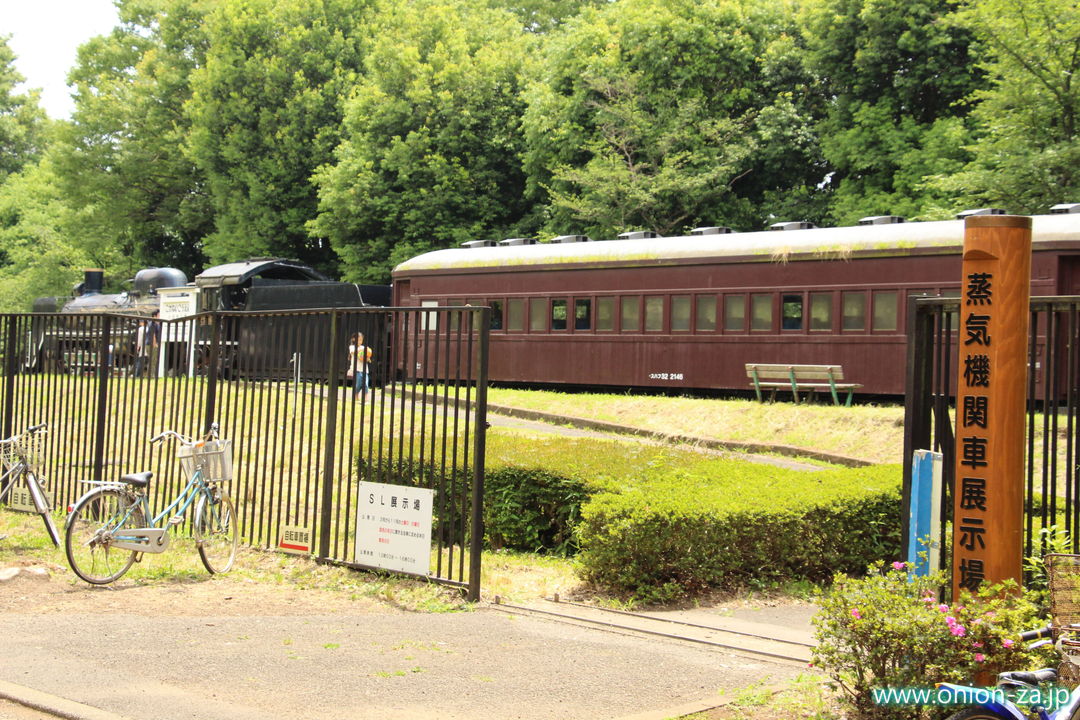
(706, 313)
(558, 314)
(654, 314)
(496, 315)
(734, 313)
(429, 320)
(821, 311)
(761, 312)
(583, 314)
(791, 312)
(605, 313)
(630, 314)
(680, 313)
(515, 314)
(854, 312)
(538, 314)
(885, 310)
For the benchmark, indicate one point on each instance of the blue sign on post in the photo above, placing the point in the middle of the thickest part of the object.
(924, 528)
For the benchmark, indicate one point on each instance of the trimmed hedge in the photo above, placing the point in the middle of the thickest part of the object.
(735, 521)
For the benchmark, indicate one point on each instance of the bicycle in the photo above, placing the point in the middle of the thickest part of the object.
(107, 530)
(20, 461)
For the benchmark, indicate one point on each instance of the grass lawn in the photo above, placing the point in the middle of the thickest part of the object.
(869, 432)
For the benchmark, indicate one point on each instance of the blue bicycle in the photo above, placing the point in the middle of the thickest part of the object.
(107, 530)
(1017, 689)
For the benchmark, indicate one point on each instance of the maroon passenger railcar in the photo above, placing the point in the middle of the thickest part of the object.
(690, 312)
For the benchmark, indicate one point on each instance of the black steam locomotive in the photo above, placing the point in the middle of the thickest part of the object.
(68, 343)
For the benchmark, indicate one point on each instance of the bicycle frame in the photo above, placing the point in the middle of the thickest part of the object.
(155, 537)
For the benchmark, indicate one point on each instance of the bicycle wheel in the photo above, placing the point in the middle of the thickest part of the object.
(97, 515)
(215, 530)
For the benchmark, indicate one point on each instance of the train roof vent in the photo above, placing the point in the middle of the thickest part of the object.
(638, 235)
(518, 241)
(571, 238)
(478, 243)
(797, 225)
(712, 230)
(980, 211)
(881, 220)
(1065, 209)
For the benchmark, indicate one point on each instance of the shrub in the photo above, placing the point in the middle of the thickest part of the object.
(889, 630)
(730, 522)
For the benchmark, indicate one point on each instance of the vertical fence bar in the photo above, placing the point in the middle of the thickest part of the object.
(325, 506)
(476, 543)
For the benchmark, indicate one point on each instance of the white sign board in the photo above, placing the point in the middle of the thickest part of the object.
(178, 302)
(295, 539)
(393, 527)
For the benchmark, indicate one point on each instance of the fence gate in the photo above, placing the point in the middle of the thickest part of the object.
(279, 386)
(1052, 476)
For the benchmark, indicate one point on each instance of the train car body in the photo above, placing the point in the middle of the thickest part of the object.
(690, 312)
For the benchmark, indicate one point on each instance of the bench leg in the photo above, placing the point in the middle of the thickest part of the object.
(835, 397)
(850, 393)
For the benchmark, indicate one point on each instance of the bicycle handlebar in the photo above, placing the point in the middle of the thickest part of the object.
(40, 427)
(1043, 632)
(212, 434)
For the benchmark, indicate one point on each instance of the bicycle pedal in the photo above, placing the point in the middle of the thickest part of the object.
(176, 520)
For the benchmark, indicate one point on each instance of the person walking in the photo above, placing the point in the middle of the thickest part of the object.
(359, 360)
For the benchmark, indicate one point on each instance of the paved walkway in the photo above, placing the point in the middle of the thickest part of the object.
(99, 660)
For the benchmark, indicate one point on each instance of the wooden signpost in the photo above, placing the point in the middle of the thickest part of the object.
(991, 392)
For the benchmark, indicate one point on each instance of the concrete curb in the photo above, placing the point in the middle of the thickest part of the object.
(52, 704)
(754, 448)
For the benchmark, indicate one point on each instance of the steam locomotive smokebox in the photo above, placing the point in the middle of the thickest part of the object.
(148, 281)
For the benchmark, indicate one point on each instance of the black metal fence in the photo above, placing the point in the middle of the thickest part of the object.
(1052, 480)
(279, 386)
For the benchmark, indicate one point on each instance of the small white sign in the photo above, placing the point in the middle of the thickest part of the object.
(20, 498)
(178, 302)
(295, 539)
(393, 527)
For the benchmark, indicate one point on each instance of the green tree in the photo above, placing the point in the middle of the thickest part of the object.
(664, 116)
(431, 150)
(37, 259)
(122, 165)
(23, 124)
(1027, 154)
(266, 111)
(896, 73)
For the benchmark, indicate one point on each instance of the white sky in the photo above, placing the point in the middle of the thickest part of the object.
(44, 35)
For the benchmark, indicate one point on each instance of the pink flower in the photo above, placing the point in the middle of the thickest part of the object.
(979, 657)
(943, 608)
(950, 621)
(976, 644)
(899, 565)
(957, 630)
(1007, 643)
(856, 614)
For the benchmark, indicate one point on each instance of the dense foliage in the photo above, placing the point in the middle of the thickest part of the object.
(353, 134)
(889, 631)
(724, 523)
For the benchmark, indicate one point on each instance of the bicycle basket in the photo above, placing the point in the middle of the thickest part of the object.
(1063, 578)
(28, 445)
(213, 457)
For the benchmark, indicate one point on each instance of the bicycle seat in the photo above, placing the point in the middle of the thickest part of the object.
(1030, 679)
(139, 480)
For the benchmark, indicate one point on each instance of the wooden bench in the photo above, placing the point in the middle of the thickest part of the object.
(800, 378)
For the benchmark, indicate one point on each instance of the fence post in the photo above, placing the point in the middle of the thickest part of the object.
(920, 332)
(10, 366)
(104, 368)
(476, 542)
(212, 372)
(329, 437)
